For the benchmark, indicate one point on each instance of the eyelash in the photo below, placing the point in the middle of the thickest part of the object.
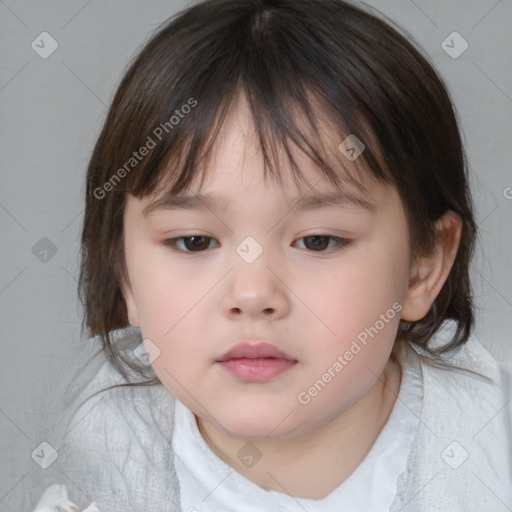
(341, 243)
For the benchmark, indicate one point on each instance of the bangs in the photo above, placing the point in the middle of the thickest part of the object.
(286, 133)
(291, 109)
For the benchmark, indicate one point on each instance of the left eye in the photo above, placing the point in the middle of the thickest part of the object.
(199, 243)
(319, 243)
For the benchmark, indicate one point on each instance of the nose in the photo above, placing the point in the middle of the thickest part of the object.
(256, 290)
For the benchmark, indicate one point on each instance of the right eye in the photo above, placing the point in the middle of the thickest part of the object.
(194, 243)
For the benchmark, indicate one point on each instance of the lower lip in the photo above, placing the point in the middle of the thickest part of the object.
(256, 370)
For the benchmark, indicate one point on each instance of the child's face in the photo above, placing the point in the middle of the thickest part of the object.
(310, 304)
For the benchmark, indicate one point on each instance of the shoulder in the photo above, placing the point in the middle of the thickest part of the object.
(468, 375)
(117, 439)
(461, 456)
(94, 390)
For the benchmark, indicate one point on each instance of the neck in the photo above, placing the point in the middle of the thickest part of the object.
(309, 466)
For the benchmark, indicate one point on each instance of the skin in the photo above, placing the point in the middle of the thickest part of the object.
(194, 306)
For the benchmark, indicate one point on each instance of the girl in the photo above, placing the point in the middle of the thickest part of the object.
(275, 255)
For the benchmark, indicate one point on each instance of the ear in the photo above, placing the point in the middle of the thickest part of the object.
(430, 273)
(131, 306)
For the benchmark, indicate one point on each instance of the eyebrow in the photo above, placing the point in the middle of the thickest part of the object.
(203, 202)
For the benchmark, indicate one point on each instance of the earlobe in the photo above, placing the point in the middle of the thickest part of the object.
(131, 306)
(429, 273)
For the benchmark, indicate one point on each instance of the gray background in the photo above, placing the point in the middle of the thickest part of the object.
(51, 113)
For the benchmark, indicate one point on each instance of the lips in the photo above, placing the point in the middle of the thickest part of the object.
(259, 351)
(255, 363)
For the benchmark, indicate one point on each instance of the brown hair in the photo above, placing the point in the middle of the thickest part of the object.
(286, 56)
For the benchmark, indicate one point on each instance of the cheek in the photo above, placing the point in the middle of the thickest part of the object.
(170, 302)
(357, 311)
(355, 294)
(163, 291)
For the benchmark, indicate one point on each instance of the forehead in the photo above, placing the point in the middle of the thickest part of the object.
(226, 186)
(223, 202)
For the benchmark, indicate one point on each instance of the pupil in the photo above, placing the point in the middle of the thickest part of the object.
(316, 239)
(196, 241)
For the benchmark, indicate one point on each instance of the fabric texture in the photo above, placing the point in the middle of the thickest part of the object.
(115, 448)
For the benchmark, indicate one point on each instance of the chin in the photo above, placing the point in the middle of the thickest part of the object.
(257, 426)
